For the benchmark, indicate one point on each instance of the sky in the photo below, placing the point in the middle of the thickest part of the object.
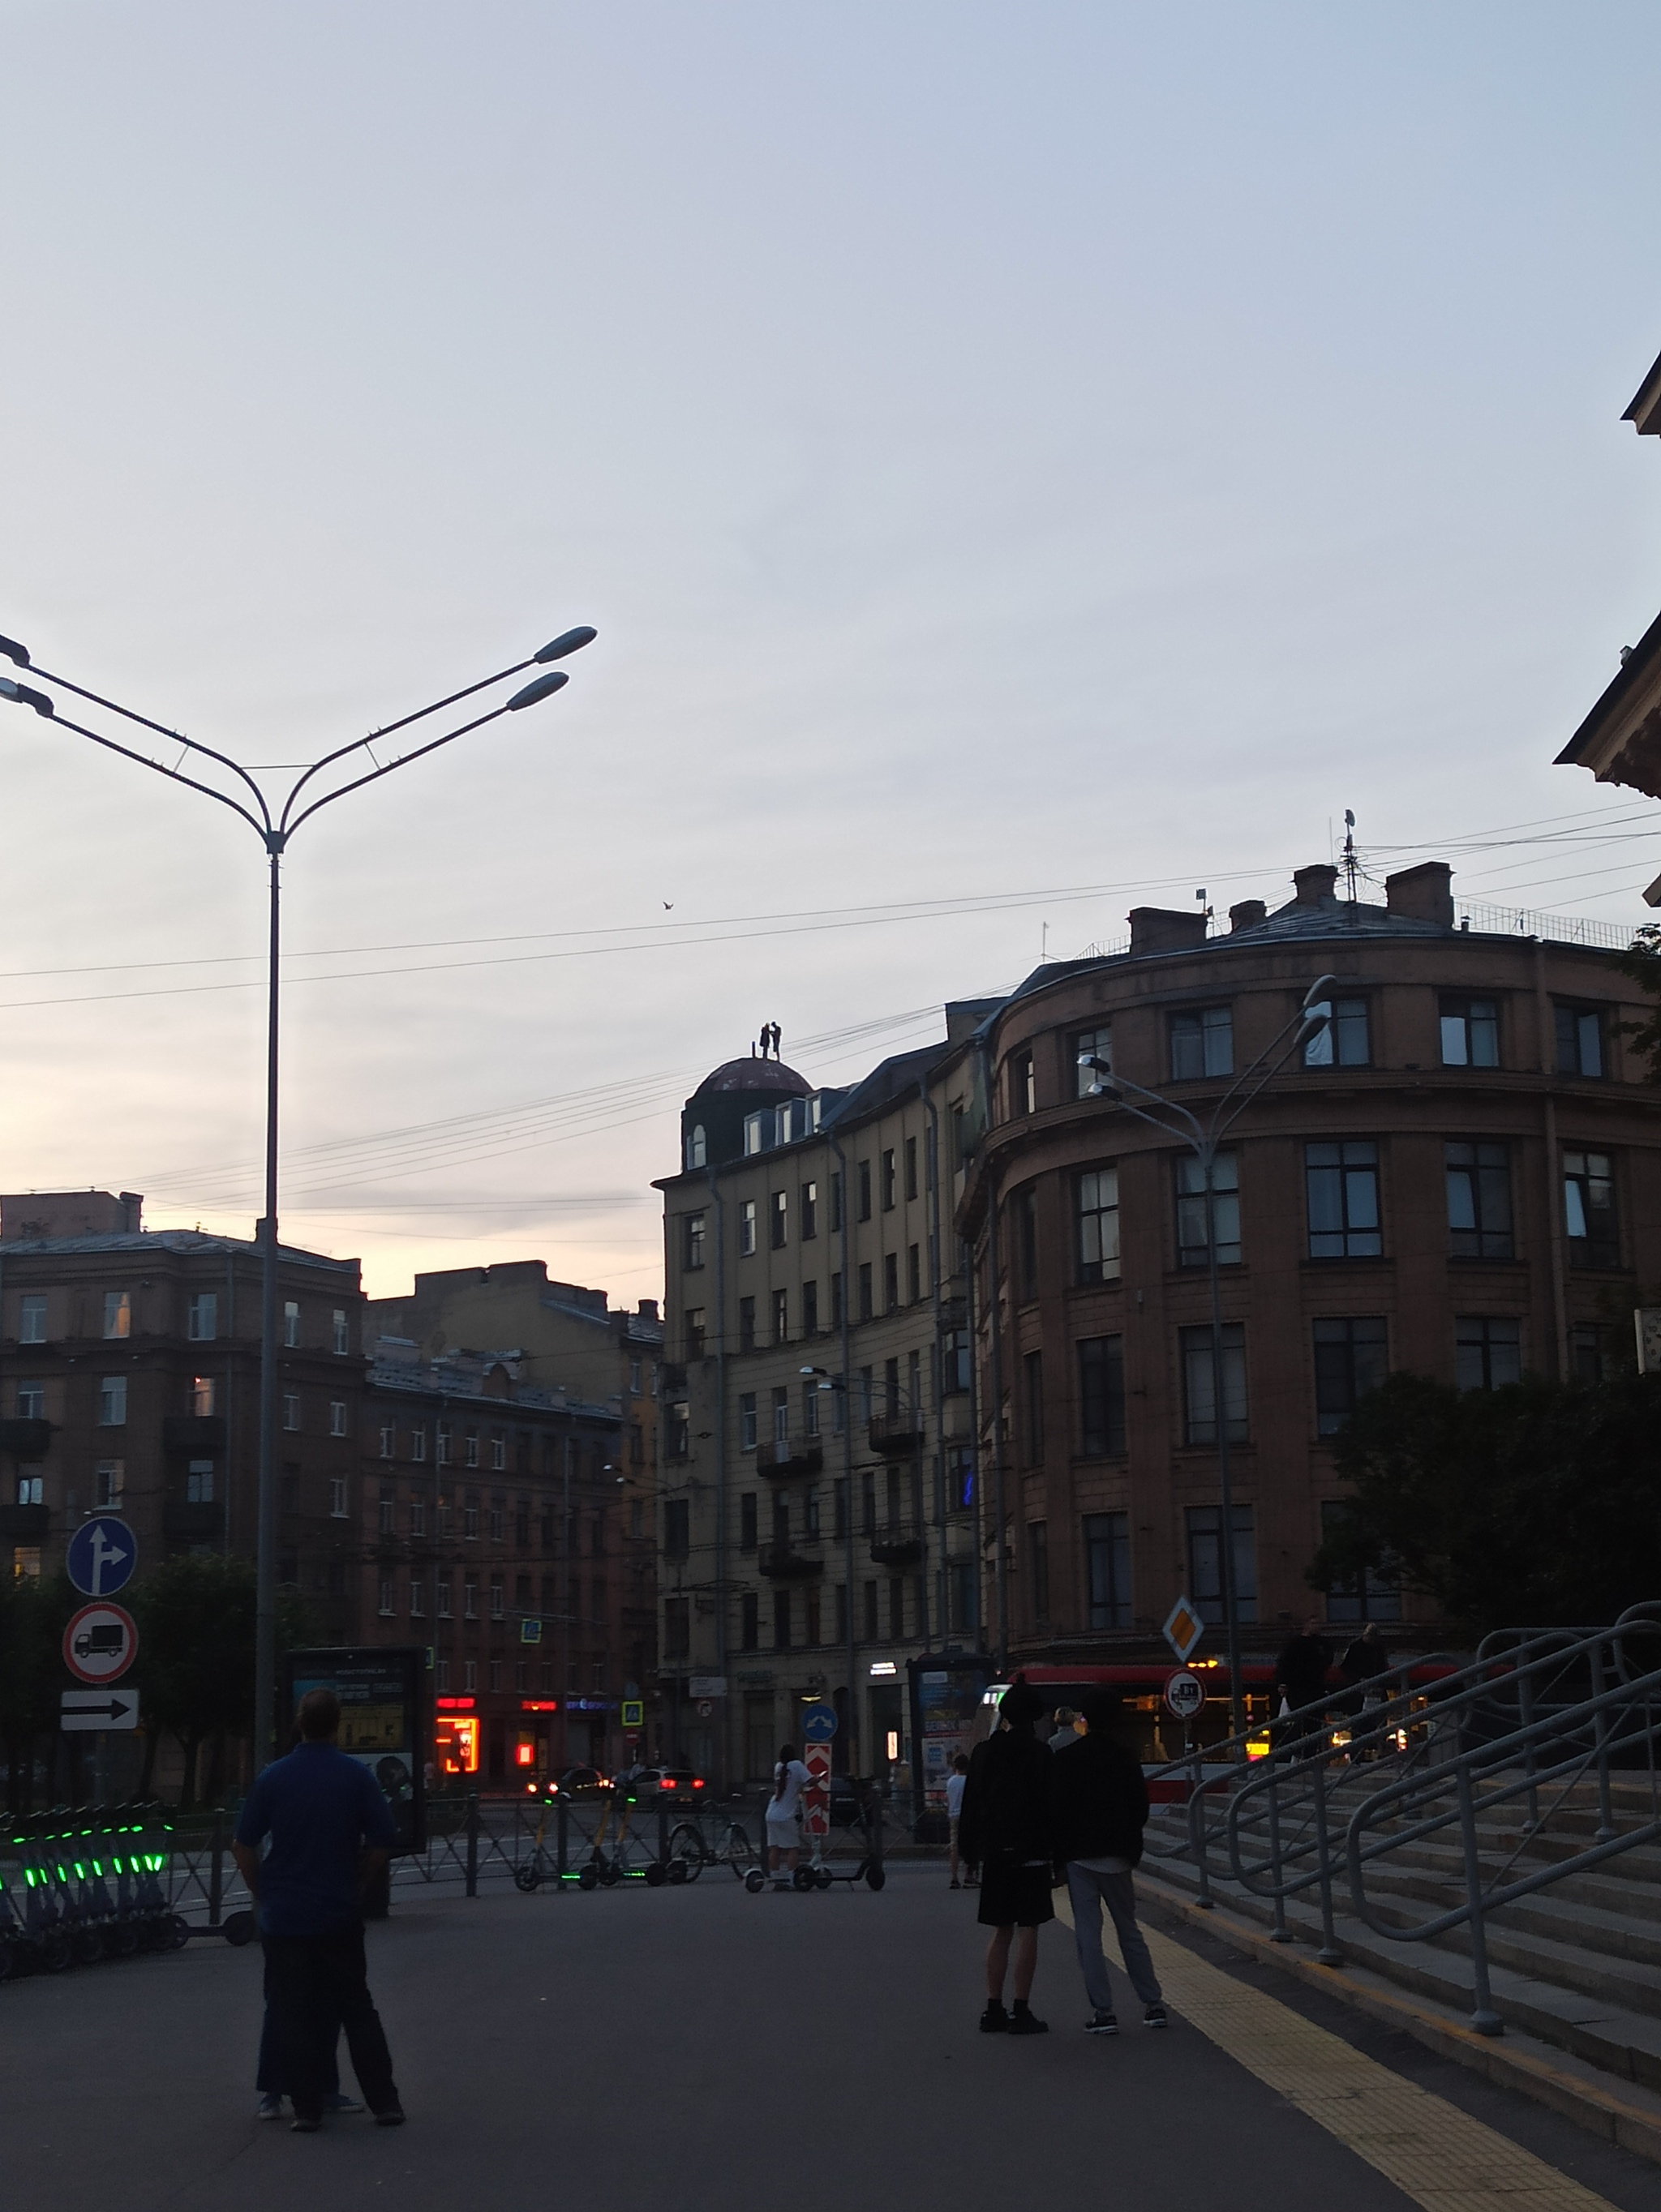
(1020, 465)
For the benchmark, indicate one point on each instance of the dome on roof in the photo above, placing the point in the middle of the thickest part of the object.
(756, 1075)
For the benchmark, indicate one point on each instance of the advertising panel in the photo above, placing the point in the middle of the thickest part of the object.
(382, 1691)
(946, 1697)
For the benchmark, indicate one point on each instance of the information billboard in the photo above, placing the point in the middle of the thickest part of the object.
(384, 1721)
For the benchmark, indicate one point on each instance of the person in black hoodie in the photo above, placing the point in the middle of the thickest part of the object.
(1100, 1806)
(1006, 1824)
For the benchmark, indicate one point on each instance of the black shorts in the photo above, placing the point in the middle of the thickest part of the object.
(1014, 1895)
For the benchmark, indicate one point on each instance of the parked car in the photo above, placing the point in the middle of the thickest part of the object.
(678, 1782)
(583, 1782)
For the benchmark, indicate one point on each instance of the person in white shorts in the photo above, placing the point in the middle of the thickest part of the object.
(790, 1779)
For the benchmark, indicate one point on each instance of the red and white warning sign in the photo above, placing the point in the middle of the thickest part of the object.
(100, 1643)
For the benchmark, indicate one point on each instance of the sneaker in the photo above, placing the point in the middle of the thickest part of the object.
(1023, 2022)
(1101, 2023)
(994, 2020)
(304, 2124)
(1155, 2017)
(338, 2101)
(956, 1885)
(270, 2107)
(390, 2116)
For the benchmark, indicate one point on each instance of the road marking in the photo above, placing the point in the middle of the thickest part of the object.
(1432, 2152)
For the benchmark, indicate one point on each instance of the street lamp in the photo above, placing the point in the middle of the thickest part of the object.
(1204, 1140)
(274, 831)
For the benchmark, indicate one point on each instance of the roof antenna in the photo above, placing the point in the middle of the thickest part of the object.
(1201, 896)
(1352, 866)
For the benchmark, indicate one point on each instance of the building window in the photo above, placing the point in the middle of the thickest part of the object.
(746, 1227)
(678, 1439)
(387, 1504)
(1101, 1396)
(677, 1628)
(865, 1307)
(1479, 1201)
(498, 1598)
(198, 1482)
(810, 1408)
(498, 1518)
(469, 1597)
(470, 1448)
(810, 1212)
(747, 1536)
(890, 1282)
(1488, 1352)
(954, 1361)
(113, 1401)
(634, 1378)
(109, 1481)
(747, 1421)
(1191, 1242)
(1344, 1042)
(888, 1181)
(118, 1313)
(1024, 1236)
(749, 1622)
(336, 1417)
(781, 1414)
(1205, 1563)
(1376, 1595)
(202, 1317)
(747, 1324)
(338, 1497)
(385, 1608)
(691, 1254)
(291, 1409)
(1032, 1393)
(498, 1452)
(782, 1620)
(1090, 1044)
(872, 1632)
(781, 1316)
(864, 1173)
(835, 1200)
(809, 1308)
(389, 1440)
(1470, 1033)
(910, 1167)
(445, 1440)
(1351, 1358)
(31, 1401)
(697, 1148)
(202, 1396)
(778, 1220)
(1589, 1210)
(1199, 1381)
(1202, 1044)
(470, 1674)
(1107, 1558)
(914, 1273)
(1023, 1086)
(418, 1441)
(443, 1597)
(32, 1320)
(1579, 1040)
(341, 1333)
(1098, 1226)
(1588, 1353)
(291, 1324)
(836, 1301)
(418, 1598)
(470, 1518)
(1342, 1183)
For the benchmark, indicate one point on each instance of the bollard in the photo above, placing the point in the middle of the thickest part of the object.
(217, 1870)
(472, 1843)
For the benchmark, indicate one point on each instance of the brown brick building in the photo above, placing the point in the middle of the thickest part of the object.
(1463, 1180)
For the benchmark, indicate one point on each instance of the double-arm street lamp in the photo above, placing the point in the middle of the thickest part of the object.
(1204, 1140)
(274, 823)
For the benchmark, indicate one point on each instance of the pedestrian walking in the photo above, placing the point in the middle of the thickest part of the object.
(1100, 1810)
(331, 1831)
(1066, 1728)
(1007, 1827)
(1301, 1676)
(955, 1784)
(1361, 1663)
(790, 1779)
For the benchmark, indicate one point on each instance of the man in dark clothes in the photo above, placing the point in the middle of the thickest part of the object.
(1100, 1802)
(1363, 1662)
(1007, 1826)
(1300, 1672)
(330, 1831)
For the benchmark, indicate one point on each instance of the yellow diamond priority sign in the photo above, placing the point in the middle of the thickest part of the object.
(1182, 1629)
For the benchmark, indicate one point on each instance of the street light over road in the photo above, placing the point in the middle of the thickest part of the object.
(275, 823)
(1204, 1140)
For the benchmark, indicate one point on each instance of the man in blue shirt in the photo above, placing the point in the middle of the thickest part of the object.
(330, 1832)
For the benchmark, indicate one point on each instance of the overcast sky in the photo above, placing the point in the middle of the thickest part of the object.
(1063, 456)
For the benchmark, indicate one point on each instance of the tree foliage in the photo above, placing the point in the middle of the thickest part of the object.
(1642, 961)
(33, 1615)
(1536, 1505)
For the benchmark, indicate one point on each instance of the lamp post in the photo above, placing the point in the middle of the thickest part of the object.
(1204, 1140)
(275, 829)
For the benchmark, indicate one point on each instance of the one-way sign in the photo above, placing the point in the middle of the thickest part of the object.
(99, 1709)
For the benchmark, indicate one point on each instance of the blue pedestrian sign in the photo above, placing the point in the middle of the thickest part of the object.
(818, 1723)
(101, 1556)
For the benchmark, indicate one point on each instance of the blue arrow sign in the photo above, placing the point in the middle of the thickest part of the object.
(818, 1723)
(101, 1556)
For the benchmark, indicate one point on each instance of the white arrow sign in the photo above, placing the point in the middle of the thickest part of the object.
(111, 1708)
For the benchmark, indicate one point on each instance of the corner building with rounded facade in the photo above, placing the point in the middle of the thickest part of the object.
(1462, 1178)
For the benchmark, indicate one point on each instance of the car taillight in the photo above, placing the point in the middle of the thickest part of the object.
(696, 1785)
(666, 1783)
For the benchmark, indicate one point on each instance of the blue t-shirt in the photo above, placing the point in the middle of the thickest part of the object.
(318, 1807)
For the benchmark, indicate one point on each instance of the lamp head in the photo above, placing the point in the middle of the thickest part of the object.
(568, 641)
(12, 650)
(539, 687)
(1318, 989)
(22, 696)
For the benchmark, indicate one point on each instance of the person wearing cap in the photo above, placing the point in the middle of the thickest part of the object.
(1007, 1826)
(1100, 1806)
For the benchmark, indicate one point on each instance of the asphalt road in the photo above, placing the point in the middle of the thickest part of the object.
(680, 2049)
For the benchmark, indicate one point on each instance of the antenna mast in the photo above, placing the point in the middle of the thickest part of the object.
(1352, 866)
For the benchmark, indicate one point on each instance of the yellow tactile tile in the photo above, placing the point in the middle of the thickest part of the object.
(1431, 2151)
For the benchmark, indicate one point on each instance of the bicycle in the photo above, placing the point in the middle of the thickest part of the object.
(689, 1851)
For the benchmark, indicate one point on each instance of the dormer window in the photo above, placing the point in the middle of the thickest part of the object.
(696, 1148)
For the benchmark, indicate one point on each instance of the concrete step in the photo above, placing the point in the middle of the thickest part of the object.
(1539, 1984)
(1633, 1944)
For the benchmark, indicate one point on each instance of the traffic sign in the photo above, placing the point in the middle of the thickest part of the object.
(818, 1723)
(101, 1556)
(705, 1709)
(1182, 1629)
(1185, 1694)
(86, 1710)
(100, 1643)
(633, 1712)
(816, 1797)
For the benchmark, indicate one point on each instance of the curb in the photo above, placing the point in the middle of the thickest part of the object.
(1586, 2102)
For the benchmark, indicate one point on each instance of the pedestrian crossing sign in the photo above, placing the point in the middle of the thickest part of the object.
(1182, 1629)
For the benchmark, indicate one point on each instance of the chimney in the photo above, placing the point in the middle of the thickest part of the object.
(134, 1203)
(1248, 915)
(1314, 886)
(1157, 929)
(1422, 894)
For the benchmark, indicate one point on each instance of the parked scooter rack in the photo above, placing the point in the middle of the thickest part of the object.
(77, 1890)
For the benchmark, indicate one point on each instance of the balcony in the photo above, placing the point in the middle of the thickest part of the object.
(786, 1565)
(899, 1545)
(26, 1440)
(195, 1436)
(784, 1459)
(25, 1524)
(896, 1436)
(183, 1524)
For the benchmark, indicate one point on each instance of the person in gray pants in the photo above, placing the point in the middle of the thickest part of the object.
(1100, 1803)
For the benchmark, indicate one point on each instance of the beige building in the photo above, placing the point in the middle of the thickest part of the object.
(818, 1508)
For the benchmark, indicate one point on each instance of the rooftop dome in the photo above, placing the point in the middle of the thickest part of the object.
(756, 1075)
